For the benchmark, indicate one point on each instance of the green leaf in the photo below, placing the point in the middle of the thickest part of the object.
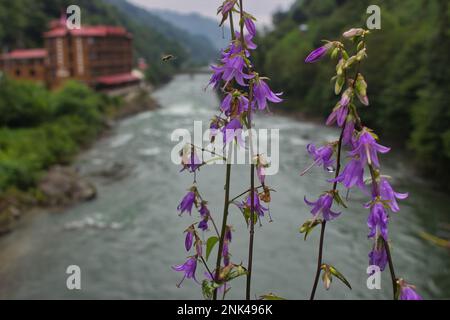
(308, 226)
(236, 272)
(271, 296)
(247, 214)
(210, 243)
(338, 199)
(334, 53)
(208, 288)
(340, 81)
(339, 275)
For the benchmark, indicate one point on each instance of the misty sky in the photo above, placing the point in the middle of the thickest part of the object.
(261, 9)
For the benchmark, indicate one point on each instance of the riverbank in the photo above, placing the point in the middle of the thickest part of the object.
(60, 185)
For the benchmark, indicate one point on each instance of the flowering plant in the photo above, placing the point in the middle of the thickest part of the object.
(363, 155)
(244, 92)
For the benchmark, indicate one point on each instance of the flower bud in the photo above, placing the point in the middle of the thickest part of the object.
(354, 32)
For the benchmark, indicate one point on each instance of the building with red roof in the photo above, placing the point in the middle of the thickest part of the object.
(100, 56)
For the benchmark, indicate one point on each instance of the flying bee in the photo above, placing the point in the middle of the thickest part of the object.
(168, 57)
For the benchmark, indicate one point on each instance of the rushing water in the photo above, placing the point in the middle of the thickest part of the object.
(126, 240)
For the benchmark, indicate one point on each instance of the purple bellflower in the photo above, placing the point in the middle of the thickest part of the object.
(188, 268)
(347, 136)
(189, 160)
(378, 256)
(263, 93)
(261, 165)
(203, 225)
(388, 194)
(247, 204)
(339, 114)
(353, 174)
(233, 130)
(189, 238)
(186, 203)
(234, 105)
(323, 206)
(227, 6)
(250, 26)
(378, 220)
(367, 148)
(249, 44)
(408, 292)
(318, 53)
(322, 156)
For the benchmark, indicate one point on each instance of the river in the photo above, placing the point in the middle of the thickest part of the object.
(126, 240)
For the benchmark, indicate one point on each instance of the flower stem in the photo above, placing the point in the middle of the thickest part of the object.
(324, 223)
(224, 225)
(391, 268)
(207, 268)
(319, 260)
(227, 193)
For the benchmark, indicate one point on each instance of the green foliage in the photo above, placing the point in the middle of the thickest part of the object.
(22, 104)
(73, 117)
(407, 71)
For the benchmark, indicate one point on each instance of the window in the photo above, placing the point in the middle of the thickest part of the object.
(32, 73)
(18, 72)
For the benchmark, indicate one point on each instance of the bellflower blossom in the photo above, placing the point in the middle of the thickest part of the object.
(249, 44)
(188, 268)
(261, 165)
(323, 205)
(349, 129)
(378, 256)
(234, 106)
(189, 159)
(322, 156)
(233, 130)
(353, 174)
(232, 68)
(388, 194)
(408, 292)
(318, 53)
(367, 149)
(227, 6)
(378, 220)
(262, 93)
(247, 204)
(189, 238)
(186, 203)
(250, 26)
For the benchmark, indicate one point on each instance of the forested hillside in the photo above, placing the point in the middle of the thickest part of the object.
(408, 69)
(197, 24)
(199, 48)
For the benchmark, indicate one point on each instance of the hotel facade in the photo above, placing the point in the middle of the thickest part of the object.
(100, 56)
